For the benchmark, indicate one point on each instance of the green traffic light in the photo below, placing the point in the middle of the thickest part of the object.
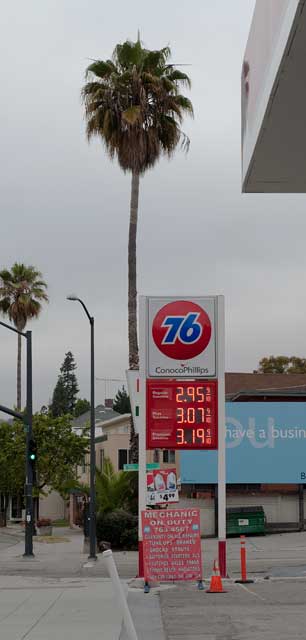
(32, 456)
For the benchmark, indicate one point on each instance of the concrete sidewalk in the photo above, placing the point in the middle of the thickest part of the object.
(44, 609)
(57, 594)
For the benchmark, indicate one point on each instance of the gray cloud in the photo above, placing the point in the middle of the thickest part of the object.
(65, 205)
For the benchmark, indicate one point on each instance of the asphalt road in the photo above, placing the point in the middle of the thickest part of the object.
(266, 610)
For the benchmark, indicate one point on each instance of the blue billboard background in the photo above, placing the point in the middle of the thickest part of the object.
(265, 443)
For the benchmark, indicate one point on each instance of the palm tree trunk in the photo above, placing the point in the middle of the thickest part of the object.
(19, 374)
(132, 275)
(132, 300)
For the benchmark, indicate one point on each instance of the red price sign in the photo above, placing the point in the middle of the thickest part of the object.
(182, 414)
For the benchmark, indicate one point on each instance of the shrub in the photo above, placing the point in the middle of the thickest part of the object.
(119, 528)
(129, 539)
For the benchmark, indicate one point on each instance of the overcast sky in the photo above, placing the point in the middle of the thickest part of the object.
(65, 206)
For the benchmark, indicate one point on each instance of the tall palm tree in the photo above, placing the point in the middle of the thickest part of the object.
(22, 292)
(134, 104)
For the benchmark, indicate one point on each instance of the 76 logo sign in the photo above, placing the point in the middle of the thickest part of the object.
(181, 330)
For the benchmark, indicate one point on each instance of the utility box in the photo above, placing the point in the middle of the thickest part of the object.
(245, 520)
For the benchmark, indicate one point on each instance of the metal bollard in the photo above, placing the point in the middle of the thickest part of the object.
(120, 595)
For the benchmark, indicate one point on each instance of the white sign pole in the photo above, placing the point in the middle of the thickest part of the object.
(221, 437)
(142, 477)
(120, 595)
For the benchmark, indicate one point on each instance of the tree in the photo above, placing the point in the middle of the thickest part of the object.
(66, 389)
(22, 292)
(282, 364)
(81, 406)
(59, 405)
(69, 380)
(12, 461)
(122, 401)
(59, 451)
(133, 103)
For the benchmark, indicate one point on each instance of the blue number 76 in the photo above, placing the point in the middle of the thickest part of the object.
(185, 328)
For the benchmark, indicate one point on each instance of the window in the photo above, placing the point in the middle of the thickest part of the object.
(169, 456)
(122, 458)
(156, 455)
(101, 459)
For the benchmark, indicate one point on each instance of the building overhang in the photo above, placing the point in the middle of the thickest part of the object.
(274, 99)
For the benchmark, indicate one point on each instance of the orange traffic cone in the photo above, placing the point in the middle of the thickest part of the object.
(215, 581)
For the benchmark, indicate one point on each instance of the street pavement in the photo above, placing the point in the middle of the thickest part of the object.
(60, 591)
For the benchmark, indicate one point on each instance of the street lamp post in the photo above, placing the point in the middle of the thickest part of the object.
(92, 503)
(27, 419)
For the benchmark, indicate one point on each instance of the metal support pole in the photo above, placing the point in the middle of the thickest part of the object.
(221, 440)
(28, 551)
(92, 509)
(142, 482)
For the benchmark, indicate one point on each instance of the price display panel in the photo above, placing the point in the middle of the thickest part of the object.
(182, 414)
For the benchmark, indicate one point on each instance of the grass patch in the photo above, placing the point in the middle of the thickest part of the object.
(60, 523)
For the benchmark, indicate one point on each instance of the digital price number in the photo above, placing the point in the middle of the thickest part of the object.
(182, 415)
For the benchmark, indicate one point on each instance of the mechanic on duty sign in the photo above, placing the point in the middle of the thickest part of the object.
(172, 545)
(181, 337)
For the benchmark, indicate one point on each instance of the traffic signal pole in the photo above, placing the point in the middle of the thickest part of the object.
(28, 423)
(27, 419)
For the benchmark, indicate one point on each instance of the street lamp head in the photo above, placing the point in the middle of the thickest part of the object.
(72, 297)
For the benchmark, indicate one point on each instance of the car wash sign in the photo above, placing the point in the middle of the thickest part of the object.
(181, 337)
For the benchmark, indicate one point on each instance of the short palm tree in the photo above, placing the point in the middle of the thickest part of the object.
(22, 292)
(114, 490)
(134, 104)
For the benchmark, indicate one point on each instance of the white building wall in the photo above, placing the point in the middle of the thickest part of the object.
(52, 506)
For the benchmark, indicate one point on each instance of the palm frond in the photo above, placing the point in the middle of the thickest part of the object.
(179, 77)
(101, 69)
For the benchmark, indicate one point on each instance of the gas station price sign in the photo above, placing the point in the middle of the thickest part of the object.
(182, 414)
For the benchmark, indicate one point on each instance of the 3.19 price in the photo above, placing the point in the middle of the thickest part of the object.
(189, 436)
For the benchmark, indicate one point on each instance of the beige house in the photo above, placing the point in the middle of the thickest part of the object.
(114, 443)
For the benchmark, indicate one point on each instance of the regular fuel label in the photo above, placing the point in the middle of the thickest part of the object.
(172, 545)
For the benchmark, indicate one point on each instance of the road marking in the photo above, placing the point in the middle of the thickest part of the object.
(252, 592)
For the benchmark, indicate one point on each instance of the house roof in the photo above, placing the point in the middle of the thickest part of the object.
(102, 414)
(293, 384)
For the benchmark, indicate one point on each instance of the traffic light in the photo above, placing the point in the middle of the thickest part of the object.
(32, 451)
(32, 454)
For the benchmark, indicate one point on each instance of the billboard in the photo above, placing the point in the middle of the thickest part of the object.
(265, 443)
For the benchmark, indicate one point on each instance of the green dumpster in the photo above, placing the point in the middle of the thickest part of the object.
(245, 520)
